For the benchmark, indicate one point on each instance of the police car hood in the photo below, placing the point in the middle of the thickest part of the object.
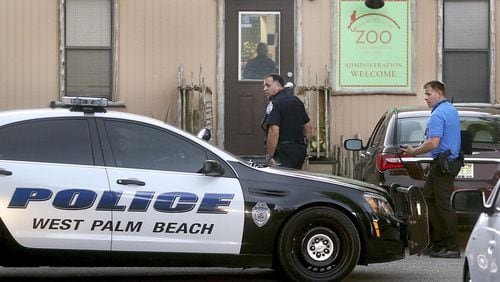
(326, 178)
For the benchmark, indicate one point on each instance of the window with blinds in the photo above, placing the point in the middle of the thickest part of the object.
(88, 48)
(466, 50)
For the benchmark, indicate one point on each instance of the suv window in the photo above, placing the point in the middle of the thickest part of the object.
(53, 141)
(483, 130)
(378, 133)
(144, 147)
(411, 131)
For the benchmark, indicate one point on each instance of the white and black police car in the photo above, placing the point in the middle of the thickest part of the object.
(84, 186)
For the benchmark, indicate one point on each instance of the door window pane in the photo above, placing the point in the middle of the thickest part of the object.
(259, 44)
(143, 147)
(411, 131)
(52, 141)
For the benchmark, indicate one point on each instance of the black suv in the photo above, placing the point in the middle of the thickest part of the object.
(380, 161)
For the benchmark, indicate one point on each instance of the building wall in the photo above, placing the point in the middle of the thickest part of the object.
(29, 76)
(155, 37)
(316, 39)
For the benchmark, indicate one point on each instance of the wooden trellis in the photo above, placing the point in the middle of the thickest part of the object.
(195, 107)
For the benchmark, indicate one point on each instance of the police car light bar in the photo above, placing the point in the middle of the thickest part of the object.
(85, 101)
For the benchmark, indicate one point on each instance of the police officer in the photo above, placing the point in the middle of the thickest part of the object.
(443, 143)
(286, 123)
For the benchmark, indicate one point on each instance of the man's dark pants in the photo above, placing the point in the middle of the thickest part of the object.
(443, 219)
(291, 155)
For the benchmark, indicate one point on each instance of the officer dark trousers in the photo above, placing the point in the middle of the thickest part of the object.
(443, 219)
(292, 155)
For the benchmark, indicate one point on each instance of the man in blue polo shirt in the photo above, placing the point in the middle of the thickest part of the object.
(443, 142)
(286, 123)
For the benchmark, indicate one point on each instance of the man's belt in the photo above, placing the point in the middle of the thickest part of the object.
(291, 142)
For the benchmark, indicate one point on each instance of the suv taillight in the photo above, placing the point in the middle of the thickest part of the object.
(388, 161)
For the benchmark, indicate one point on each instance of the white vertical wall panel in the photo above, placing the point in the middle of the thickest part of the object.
(156, 37)
(28, 53)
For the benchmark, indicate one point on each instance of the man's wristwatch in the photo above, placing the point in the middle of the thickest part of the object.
(268, 157)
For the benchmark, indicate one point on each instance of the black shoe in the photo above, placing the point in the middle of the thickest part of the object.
(446, 254)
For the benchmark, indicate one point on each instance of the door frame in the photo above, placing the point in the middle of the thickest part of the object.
(220, 64)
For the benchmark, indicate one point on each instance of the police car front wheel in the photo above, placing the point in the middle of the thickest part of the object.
(318, 244)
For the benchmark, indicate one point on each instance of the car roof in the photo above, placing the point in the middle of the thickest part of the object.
(464, 109)
(13, 116)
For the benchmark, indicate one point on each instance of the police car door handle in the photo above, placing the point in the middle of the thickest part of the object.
(5, 172)
(130, 182)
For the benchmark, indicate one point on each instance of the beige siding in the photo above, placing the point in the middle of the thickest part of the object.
(155, 38)
(28, 53)
(316, 37)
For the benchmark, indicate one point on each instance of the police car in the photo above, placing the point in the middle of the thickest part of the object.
(82, 186)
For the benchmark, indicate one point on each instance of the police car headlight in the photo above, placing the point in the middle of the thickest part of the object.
(378, 204)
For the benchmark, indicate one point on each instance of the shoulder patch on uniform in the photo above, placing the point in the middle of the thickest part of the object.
(269, 107)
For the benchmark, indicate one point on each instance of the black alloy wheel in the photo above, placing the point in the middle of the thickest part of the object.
(318, 244)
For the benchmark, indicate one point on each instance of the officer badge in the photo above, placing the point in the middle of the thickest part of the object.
(269, 107)
(261, 214)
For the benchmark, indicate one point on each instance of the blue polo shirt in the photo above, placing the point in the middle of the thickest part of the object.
(445, 124)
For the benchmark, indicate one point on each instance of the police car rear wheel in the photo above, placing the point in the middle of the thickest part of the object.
(318, 244)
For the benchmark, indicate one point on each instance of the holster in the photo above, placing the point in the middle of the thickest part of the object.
(449, 167)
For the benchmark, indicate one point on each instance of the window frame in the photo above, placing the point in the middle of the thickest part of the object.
(112, 48)
(169, 139)
(277, 40)
(491, 47)
(109, 160)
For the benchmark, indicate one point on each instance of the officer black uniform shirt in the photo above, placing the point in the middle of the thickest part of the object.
(287, 112)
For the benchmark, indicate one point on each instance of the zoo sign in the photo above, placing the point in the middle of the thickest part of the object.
(374, 46)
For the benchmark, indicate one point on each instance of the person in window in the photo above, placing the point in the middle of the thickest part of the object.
(443, 142)
(286, 123)
(260, 65)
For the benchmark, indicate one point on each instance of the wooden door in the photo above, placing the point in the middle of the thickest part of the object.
(252, 26)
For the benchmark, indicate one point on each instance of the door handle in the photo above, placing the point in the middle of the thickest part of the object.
(130, 182)
(5, 172)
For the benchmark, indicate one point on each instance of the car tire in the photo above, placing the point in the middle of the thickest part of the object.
(318, 244)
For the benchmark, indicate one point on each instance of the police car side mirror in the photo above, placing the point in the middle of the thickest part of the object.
(204, 134)
(468, 201)
(212, 168)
